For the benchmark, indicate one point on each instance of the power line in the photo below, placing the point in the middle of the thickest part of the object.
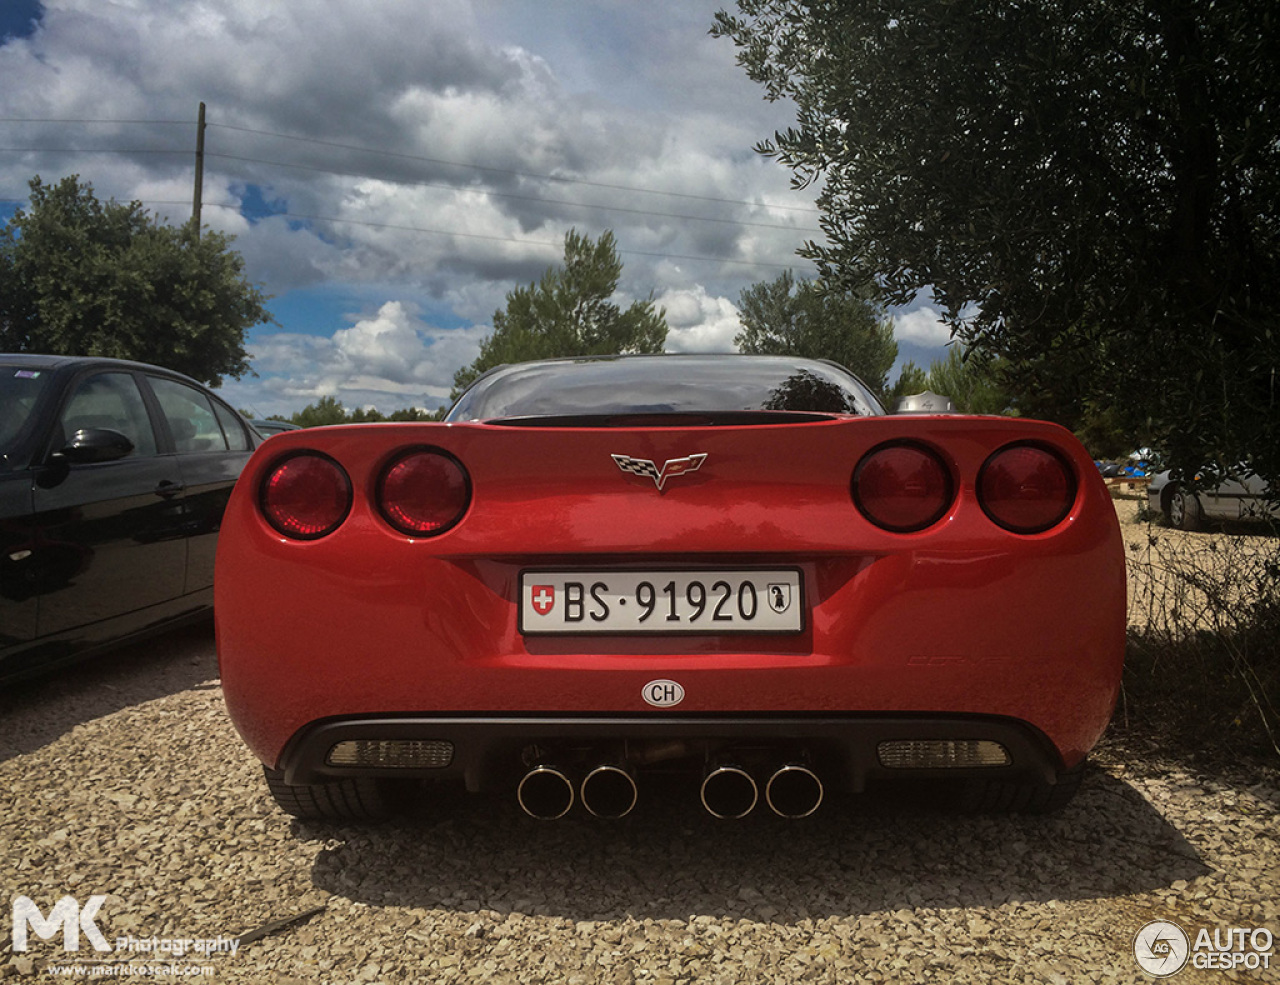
(445, 232)
(510, 195)
(95, 150)
(433, 160)
(509, 171)
(427, 184)
(489, 238)
(15, 119)
(746, 223)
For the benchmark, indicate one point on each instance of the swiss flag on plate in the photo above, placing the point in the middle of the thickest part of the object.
(543, 598)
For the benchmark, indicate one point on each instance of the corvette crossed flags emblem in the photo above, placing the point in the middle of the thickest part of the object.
(670, 468)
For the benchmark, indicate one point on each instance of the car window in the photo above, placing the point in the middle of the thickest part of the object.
(664, 385)
(110, 400)
(232, 427)
(190, 415)
(20, 388)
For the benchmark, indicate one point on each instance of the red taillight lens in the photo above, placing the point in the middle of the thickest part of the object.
(902, 487)
(306, 496)
(424, 492)
(1026, 489)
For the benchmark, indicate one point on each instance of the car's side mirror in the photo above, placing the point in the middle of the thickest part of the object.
(91, 445)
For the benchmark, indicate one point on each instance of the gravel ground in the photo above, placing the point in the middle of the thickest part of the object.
(125, 780)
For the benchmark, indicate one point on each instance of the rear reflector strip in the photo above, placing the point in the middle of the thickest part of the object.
(919, 754)
(394, 753)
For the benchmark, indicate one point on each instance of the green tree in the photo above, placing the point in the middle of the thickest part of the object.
(326, 410)
(911, 379)
(569, 312)
(330, 410)
(972, 383)
(80, 277)
(785, 317)
(416, 414)
(1089, 189)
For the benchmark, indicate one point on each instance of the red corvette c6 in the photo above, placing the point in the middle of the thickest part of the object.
(739, 568)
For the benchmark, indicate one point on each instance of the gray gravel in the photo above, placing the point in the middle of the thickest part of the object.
(125, 779)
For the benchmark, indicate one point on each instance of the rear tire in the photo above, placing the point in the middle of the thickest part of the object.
(348, 799)
(1023, 796)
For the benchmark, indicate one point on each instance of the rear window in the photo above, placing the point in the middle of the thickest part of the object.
(190, 415)
(663, 385)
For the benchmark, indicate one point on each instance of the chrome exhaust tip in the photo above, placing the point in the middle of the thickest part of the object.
(729, 792)
(545, 793)
(794, 791)
(609, 792)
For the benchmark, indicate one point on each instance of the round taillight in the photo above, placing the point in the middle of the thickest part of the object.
(424, 492)
(1026, 489)
(902, 487)
(306, 496)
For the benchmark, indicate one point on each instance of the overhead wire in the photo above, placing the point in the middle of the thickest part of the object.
(428, 184)
(491, 193)
(24, 119)
(511, 195)
(547, 244)
(747, 223)
(509, 171)
(562, 179)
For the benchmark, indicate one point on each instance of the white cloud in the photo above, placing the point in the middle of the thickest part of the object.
(698, 322)
(390, 360)
(922, 326)
(388, 346)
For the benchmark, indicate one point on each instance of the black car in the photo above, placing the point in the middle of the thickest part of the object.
(113, 479)
(267, 428)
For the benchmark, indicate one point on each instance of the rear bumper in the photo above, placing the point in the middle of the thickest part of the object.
(490, 751)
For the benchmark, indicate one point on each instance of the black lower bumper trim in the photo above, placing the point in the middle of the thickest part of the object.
(491, 750)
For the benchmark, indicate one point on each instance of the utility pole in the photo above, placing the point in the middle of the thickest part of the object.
(196, 201)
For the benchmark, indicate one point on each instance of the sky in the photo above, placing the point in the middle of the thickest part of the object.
(390, 170)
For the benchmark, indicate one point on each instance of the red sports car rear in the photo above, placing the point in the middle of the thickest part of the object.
(580, 584)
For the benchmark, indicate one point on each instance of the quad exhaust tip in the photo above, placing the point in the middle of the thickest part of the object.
(609, 792)
(794, 791)
(546, 793)
(729, 792)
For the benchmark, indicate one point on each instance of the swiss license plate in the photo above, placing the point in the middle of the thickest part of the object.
(674, 601)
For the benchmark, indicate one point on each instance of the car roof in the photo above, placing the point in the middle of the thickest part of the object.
(52, 362)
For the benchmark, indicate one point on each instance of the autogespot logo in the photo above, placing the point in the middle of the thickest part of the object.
(1161, 949)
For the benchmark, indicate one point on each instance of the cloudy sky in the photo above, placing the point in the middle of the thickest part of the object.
(391, 169)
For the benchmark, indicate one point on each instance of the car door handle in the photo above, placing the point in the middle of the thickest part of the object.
(167, 489)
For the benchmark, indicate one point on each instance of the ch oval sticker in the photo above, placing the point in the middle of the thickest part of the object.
(663, 694)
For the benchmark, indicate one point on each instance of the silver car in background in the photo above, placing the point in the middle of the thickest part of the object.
(1241, 496)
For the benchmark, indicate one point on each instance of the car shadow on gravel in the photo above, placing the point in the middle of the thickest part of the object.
(36, 711)
(670, 860)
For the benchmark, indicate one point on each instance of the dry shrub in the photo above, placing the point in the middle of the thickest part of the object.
(1203, 662)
